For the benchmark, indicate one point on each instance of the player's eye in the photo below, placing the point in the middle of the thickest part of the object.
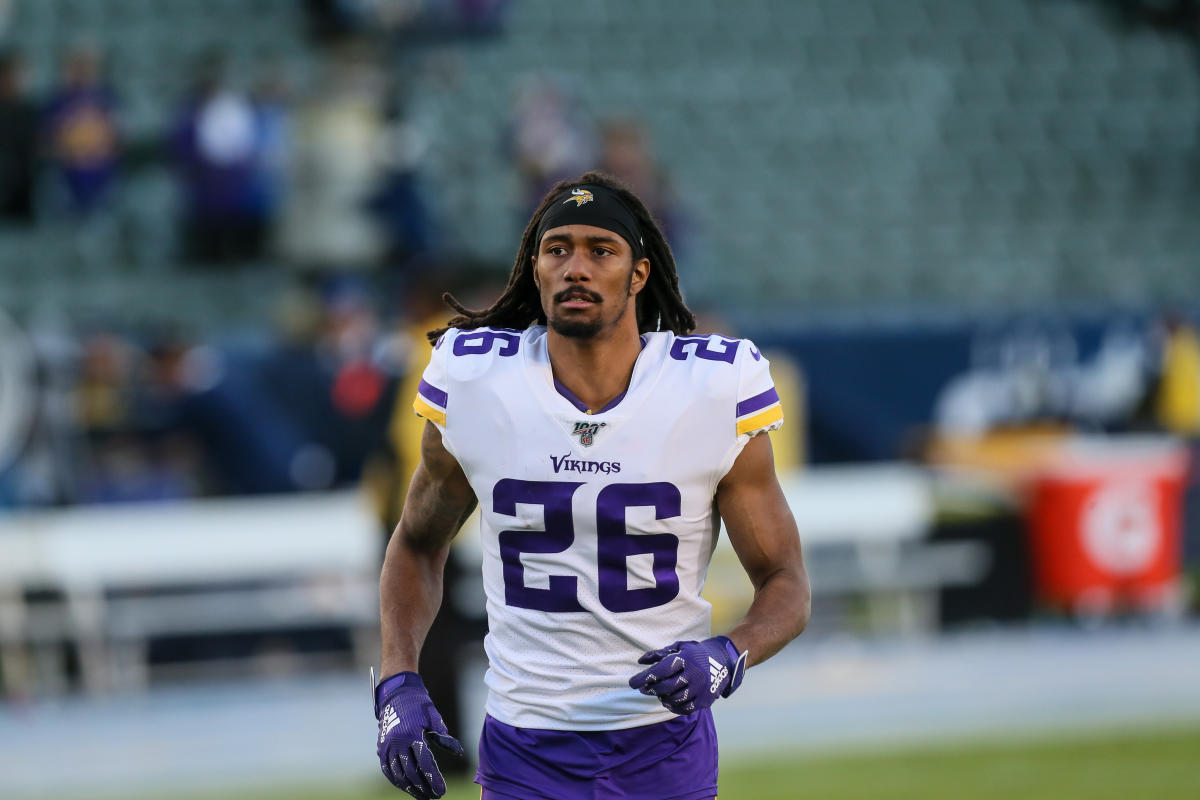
(601, 251)
(556, 250)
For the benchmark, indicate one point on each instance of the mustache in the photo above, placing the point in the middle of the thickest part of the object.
(577, 293)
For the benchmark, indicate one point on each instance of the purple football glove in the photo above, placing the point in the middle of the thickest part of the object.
(406, 716)
(689, 676)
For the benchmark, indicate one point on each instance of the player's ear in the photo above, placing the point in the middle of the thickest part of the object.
(537, 281)
(641, 273)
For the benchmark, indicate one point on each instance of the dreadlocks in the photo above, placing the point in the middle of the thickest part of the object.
(660, 305)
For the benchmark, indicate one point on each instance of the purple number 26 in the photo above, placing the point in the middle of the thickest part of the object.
(613, 546)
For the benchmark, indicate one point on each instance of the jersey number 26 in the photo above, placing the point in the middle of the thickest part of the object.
(614, 543)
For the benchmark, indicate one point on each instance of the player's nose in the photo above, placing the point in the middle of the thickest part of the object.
(577, 268)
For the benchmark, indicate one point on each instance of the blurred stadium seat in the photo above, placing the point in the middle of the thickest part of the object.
(1028, 122)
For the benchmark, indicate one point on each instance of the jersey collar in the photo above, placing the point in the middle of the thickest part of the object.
(561, 402)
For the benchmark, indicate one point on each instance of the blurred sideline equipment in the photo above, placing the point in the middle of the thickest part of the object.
(1105, 523)
(1103, 514)
(120, 575)
(877, 554)
(17, 390)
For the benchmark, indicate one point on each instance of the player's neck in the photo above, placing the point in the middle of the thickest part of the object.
(596, 370)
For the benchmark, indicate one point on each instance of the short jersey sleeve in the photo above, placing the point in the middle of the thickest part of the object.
(758, 407)
(432, 396)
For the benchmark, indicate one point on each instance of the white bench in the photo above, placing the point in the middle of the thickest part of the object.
(114, 576)
(865, 531)
(296, 561)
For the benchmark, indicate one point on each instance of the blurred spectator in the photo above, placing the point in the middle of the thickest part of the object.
(334, 20)
(128, 469)
(272, 114)
(81, 131)
(400, 201)
(112, 418)
(215, 142)
(132, 454)
(18, 141)
(1182, 16)
(216, 398)
(441, 19)
(329, 20)
(105, 382)
(1177, 400)
(482, 15)
(329, 379)
(334, 168)
(625, 154)
(548, 138)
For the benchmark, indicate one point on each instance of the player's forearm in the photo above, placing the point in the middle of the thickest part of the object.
(410, 585)
(779, 613)
(410, 593)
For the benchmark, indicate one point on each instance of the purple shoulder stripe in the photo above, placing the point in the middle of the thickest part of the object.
(432, 393)
(758, 401)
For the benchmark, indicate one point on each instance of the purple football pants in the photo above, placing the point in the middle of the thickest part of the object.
(672, 760)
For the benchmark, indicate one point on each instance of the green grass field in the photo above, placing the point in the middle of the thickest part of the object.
(1159, 764)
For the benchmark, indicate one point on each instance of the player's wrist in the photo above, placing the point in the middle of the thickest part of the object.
(731, 651)
(391, 685)
(736, 662)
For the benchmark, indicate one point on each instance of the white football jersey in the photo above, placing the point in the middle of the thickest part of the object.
(597, 529)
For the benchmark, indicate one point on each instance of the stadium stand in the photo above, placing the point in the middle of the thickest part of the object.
(844, 151)
(982, 151)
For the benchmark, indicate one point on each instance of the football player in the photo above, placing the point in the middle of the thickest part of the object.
(604, 444)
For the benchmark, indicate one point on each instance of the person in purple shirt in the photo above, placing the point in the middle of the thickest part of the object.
(80, 125)
(216, 142)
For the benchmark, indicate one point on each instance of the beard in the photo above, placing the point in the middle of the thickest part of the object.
(587, 329)
(576, 329)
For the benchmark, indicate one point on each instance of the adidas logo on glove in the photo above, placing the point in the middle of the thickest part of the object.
(388, 721)
(717, 674)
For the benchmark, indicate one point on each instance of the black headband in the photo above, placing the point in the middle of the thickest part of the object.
(594, 205)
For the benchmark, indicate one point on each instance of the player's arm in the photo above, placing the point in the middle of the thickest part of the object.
(688, 676)
(763, 533)
(410, 586)
(410, 591)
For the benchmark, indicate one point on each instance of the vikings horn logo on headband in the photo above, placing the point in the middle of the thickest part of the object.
(596, 206)
(580, 196)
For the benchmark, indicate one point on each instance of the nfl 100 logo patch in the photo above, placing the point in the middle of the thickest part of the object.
(586, 431)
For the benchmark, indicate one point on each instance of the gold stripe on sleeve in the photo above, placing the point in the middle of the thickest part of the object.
(429, 412)
(760, 420)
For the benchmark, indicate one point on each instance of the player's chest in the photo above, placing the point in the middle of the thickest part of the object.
(653, 441)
